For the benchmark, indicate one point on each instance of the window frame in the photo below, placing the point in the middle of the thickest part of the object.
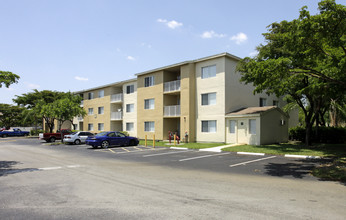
(149, 81)
(252, 127)
(206, 71)
(128, 108)
(232, 126)
(208, 123)
(208, 95)
(90, 95)
(151, 126)
(127, 126)
(263, 102)
(103, 110)
(90, 111)
(148, 105)
(100, 125)
(101, 93)
(130, 89)
(90, 127)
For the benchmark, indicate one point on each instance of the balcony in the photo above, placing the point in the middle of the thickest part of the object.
(171, 111)
(80, 119)
(172, 86)
(117, 98)
(116, 116)
(82, 103)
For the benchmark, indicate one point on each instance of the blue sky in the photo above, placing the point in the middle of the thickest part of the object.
(71, 45)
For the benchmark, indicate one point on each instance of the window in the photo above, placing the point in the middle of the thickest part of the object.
(209, 99)
(90, 95)
(252, 126)
(130, 107)
(129, 126)
(130, 89)
(149, 81)
(90, 127)
(263, 102)
(101, 93)
(209, 126)
(101, 110)
(276, 103)
(149, 103)
(208, 71)
(90, 111)
(100, 126)
(232, 126)
(149, 126)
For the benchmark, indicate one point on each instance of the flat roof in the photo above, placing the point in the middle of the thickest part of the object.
(190, 61)
(107, 85)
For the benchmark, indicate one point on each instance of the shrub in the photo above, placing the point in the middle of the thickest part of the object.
(35, 132)
(331, 135)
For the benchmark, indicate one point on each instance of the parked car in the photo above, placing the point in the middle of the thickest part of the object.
(111, 138)
(51, 137)
(77, 137)
(15, 132)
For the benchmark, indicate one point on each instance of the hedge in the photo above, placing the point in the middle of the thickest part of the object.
(331, 135)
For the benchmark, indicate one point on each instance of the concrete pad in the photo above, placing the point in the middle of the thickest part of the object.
(218, 149)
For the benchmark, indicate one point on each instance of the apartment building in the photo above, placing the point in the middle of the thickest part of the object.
(193, 97)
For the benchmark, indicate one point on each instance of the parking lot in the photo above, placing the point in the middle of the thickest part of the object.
(44, 181)
(229, 162)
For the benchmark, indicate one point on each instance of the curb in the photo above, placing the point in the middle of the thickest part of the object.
(302, 156)
(179, 148)
(249, 153)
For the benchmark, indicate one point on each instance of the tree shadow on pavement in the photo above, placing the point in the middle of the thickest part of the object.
(7, 167)
(297, 169)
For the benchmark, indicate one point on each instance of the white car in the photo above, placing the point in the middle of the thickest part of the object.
(77, 137)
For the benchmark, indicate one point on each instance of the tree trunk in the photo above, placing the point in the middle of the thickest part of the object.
(308, 132)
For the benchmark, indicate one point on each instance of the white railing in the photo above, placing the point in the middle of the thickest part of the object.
(82, 103)
(117, 97)
(172, 110)
(116, 115)
(172, 86)
(80, 118)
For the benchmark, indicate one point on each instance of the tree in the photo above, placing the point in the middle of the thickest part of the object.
(10, 115)
(35, 102)
(8, 78)
(303, 60)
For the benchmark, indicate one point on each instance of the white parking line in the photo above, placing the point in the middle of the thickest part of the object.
(175, 152)
(210, 155)
(50, 168)
(251, 161)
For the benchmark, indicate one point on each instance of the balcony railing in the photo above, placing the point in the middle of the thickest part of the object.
(172, 86)
(116, 115)
(117, 97)
(82, 103)
(172, 110)
(80, 118)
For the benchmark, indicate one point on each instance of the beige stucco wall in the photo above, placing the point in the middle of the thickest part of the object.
(130, 117)
(211, 112)
(242, 134)
(271, 129)
(154, 92)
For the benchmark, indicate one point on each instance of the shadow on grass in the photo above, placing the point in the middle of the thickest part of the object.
(7, 168)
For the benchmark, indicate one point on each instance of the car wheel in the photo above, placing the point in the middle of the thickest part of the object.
(52, 139)
(105, 144)
(77, 142)
(4, 135)
(94, 147)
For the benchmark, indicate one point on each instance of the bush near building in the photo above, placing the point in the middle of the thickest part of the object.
(330, 135)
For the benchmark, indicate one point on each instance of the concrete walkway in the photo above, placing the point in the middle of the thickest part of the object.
(218, 149)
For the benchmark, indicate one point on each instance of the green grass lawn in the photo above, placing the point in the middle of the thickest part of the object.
(187, 145)
(322, 150)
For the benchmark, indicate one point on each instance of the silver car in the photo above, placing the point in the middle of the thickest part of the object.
(77, 137)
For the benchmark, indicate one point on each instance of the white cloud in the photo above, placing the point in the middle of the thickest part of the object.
(253, 53)
(130, 58)
(32, 86)
(81, 78)
(239, 38)
(146, 45)
(212, 34)
(171, 24)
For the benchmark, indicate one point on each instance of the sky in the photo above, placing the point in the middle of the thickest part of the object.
(72, 45)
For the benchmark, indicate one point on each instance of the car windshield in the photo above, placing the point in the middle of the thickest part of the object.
(101, 134)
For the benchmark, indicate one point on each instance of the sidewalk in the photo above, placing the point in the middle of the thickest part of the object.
(218, 149)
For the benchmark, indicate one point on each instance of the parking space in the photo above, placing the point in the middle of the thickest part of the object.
(230, 162)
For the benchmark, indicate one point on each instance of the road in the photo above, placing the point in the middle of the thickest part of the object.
(38, 181)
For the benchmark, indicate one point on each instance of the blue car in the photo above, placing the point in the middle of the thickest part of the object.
(15, 132)
(111, 138)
